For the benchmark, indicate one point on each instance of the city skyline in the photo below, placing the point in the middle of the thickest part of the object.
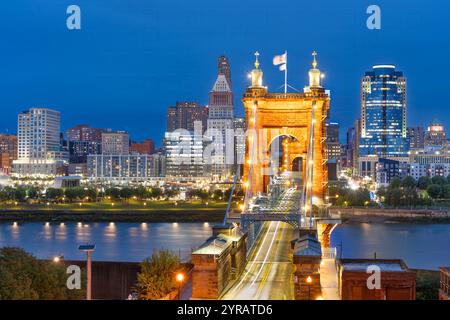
(131, 74)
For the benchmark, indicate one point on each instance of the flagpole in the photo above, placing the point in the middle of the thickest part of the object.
(285, 75)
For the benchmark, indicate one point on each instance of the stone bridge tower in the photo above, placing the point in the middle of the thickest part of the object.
(272, 115)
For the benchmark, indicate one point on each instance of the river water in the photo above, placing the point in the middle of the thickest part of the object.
(424, 246)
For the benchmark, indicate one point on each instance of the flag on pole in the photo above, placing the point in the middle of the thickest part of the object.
(281, 59)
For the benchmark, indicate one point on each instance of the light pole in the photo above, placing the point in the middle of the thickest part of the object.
(88, 248)
(180, 279)
(309, 283)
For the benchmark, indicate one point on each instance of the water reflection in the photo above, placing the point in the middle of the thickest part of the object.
(420, 246)
(114, 241)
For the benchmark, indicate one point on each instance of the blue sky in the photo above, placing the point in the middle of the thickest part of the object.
(134, 58)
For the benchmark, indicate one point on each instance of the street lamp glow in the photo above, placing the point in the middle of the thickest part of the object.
(180, 277)
(309, 280)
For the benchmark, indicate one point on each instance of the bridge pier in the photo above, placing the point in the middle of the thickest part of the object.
(324, 229)
(218, 261)
(307, 258)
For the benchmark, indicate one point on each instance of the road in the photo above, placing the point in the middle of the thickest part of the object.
(268, 273)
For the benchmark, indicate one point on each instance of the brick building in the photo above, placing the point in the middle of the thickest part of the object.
(444, 288)
(397, 281)
(8, 151)
(144, 147)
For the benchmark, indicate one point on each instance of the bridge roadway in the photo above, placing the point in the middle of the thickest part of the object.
(269, 270)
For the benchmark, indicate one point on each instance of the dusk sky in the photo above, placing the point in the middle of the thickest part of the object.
(134, 58)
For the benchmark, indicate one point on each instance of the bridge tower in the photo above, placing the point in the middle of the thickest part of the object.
(273, 115)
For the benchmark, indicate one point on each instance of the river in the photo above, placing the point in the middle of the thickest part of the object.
(425, 246)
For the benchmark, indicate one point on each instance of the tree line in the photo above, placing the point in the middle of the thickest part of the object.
(409, 192)
(21, 194)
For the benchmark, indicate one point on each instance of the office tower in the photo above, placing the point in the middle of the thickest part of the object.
(38, 133)
(435, 135)
(224, 68)
(144, 147)
(82, 141)
(39, 150)
(416, 137)
(8, 151)
(239, 140)
(184, 114)
(221, 123)
(333, 150)
(115, 143)
(383, 113)
(183, 155)
(83, 132)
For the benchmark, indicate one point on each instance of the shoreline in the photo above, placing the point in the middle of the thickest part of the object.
(182, 215)
(204, 215)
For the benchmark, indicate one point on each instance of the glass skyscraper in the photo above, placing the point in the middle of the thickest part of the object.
(383, 113)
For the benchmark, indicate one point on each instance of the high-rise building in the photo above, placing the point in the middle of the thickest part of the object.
(38, 133)
(39, 150)
(82, 141)
(8, 151)
(221, 122)
(183, 155)
(84, 132)
(383, 113)
(416, 137)
(352, 147)
(115, 143)
(435, 135)
(144, 147)
(240, 128)
(224, 68)
(333, 150)
(184, 114)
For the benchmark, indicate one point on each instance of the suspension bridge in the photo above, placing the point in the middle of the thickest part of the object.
(283, 225)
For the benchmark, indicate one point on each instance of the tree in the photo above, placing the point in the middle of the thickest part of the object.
(126, 193)
(218, 194)
(32, 193)
(53, 193)
(438, 180)
(20, 194)
(157, 276)
(22, 276)
(141, 193)
(114, 193)
(434, 191)
(423, 183)
(156, 193)
(409, 182)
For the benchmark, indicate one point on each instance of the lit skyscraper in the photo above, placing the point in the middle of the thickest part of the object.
(383, 113)
(39, 144)
(221, 120)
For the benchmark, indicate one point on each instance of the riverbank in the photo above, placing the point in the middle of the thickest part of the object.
(376, 215)
(205, 215)
(131, 211)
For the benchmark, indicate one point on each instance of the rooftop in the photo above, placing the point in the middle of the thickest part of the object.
(363, 264)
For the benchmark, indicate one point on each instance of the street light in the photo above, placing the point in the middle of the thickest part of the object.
(57, 259)
(180, 279)
(88, 248)
(309, 283)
